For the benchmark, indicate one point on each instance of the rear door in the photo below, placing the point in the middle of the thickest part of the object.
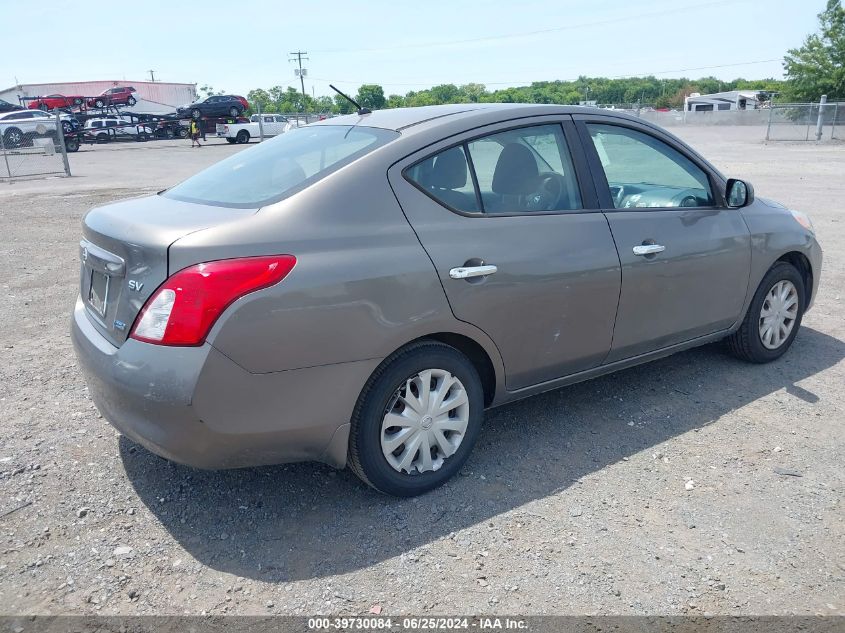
(509, 219)
(685, 256)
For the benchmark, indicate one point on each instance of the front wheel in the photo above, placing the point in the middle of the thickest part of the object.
(131, 101)
(773, 318)
(416, 420)
(99, 103)
(234, 113)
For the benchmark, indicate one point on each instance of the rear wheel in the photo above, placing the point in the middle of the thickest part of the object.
(72, 144)
(416, 420)
(183, 132)
(196, 113)
(99, 103)
(773, 318)
(242, 137)
(234, 112)
(43, 107)
(13, 137)
(102, 137)
(131, 101)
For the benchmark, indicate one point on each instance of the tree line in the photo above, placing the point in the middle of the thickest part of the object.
(651, 91)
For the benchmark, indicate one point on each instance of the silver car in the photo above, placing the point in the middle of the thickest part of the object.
(360, 290)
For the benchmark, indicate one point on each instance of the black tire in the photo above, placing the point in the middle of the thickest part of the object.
(99, 103)
(366, 458)
(195, 113)
(230, 140)
(234, 112)
(131, 101)
(242, 137)
(72, 144)
(44, 107)
(13, 137)
(183, 132)
(169, 133)
(746, 343)
(103, 137)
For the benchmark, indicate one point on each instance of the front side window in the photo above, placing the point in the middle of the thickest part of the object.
(523, 170)
(644, 172)
(275, 169)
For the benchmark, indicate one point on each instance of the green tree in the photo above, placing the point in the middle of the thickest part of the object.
(207, 91)
(818, 67)
(395, 101)
(371, 96)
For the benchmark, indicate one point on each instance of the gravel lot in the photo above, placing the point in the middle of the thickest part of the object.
(573, 502)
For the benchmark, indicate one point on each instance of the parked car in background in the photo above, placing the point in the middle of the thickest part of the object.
(5, 106)
(360, 290)
(272, 124)
(20, 126)
(105, 129)
(122, 95)
(51, 102)
(216, 105)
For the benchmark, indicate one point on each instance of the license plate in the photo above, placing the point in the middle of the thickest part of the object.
(98, 293)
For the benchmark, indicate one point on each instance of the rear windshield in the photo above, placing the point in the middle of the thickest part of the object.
(280, 167)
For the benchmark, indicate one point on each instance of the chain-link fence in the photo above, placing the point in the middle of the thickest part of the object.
(806, 122)
(32, 144)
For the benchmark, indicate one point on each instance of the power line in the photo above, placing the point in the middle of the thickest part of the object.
(556, 29)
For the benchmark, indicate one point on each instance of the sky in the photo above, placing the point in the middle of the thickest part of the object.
(235, 47)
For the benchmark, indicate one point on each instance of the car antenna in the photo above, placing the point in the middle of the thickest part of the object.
(352, 101)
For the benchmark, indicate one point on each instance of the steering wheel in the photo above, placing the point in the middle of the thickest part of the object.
(619, 197)
(547, 195)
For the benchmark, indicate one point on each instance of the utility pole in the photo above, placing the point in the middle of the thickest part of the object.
(298, 57)
(152, 75)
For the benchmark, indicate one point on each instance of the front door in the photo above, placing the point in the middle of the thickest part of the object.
(685, 256)
(518, 244)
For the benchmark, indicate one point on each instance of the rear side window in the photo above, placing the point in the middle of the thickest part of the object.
(524, 170)
(280, 167)
(446, 178)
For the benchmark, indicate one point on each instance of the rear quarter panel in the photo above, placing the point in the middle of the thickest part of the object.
(362, 287)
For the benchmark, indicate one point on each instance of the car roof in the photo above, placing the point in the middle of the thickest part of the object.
(399, 119)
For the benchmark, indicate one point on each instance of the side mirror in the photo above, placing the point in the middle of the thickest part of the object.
(739, 193)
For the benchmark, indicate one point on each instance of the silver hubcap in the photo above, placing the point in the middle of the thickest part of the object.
(425, 422)
(778, 314)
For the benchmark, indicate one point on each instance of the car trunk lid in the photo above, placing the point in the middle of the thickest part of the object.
(124, 252)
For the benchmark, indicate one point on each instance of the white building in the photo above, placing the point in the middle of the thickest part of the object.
(153, 97)
(732, 100)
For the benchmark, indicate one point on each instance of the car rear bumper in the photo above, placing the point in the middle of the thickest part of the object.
(195, 406)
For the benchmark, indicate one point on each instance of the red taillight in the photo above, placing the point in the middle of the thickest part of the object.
(183, 309)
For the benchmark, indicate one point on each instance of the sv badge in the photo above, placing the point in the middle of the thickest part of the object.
(135, 285)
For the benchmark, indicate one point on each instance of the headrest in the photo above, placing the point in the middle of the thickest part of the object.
(450, 170)
(516, 171)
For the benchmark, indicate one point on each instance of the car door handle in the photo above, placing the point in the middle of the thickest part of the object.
(465, 272)
(649, 249)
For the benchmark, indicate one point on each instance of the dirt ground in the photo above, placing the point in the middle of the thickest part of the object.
(573, 502)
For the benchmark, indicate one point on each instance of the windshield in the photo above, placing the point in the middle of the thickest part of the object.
(280, 167)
